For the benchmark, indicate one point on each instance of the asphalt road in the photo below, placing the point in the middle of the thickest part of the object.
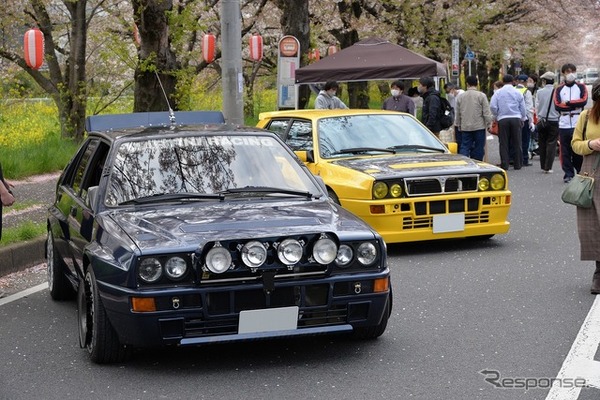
(512, 305)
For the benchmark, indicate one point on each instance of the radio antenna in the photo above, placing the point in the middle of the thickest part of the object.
(171, 113)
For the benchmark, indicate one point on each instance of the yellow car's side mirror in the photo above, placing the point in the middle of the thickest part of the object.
(305, 155)
(453, 147)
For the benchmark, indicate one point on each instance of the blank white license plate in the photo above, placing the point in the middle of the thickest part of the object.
(268, 320)
(449, 223)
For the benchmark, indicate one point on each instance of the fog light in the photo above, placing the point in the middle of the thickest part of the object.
(324, 250)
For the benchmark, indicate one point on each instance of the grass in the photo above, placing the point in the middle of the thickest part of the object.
(26, 231)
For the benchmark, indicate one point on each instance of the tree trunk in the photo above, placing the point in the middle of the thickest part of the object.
(295, 21)
(155, 79)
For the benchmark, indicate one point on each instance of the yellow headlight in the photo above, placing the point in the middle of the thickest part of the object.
(484, 184)
(497, 182)
(380, 190)
(396, 190)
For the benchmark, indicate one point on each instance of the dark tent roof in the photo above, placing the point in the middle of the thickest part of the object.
(370, 59)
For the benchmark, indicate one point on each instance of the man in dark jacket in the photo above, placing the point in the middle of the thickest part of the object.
(432, 105)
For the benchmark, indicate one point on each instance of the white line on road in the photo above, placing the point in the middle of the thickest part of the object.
(23, 293)
(580, 363)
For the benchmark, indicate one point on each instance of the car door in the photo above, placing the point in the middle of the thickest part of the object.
(73, 201)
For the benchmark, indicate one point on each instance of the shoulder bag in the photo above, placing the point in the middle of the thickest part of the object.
(580, 190)
(543, 122)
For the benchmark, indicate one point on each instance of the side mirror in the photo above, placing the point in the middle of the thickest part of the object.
(306, 156)
(92, 197)
(453, 147)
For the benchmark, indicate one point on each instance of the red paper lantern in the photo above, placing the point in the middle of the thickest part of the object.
(256, 47)
(33, 48)
(331, 50)
(208, 47)
(314, 55)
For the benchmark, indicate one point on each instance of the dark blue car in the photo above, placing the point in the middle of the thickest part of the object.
(191, 234)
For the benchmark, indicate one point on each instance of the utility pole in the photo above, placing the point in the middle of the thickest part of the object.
(231, 61)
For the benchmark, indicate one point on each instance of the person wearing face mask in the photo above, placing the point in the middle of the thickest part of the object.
(569, 99)
(398, 101)
(327, 98)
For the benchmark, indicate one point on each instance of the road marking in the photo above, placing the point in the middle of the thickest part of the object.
(580, 363)
(23, 293)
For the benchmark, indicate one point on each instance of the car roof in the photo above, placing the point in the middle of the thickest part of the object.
(315, 114)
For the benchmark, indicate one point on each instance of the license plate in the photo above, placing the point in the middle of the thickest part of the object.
(449, 223)
(268, 320)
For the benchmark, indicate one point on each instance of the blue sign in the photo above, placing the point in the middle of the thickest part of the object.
(469, 55)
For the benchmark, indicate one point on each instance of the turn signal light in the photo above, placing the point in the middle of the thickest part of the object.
(381, 285)
(143, 304)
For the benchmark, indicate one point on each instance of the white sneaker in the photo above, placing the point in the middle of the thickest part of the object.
(549, 171)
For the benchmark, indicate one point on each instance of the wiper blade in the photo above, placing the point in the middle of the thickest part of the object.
(266, 189)
(159, 197)
(362, 150)
(416, 147)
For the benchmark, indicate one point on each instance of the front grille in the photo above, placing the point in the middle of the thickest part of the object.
(427, 222)
(441, 184)
(446, 206)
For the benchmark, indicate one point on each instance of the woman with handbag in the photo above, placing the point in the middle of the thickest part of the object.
(586, 142)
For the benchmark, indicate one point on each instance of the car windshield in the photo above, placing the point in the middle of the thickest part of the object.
(204, 165)
(374, 134)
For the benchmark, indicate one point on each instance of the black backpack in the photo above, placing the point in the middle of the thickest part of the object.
(447, 113)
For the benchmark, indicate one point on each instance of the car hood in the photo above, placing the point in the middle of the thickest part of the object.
(416, 165)
(191, 226)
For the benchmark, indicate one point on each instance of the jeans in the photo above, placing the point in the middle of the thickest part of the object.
(525, 139)
(473, 144)
(571, 162)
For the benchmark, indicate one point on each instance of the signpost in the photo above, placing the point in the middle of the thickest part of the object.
(469, 56)
(288, 59)
(455, 57)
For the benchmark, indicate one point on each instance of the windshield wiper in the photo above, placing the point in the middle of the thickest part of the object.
(160, 197)
(362, 150)
(266, 189)
(416, 147)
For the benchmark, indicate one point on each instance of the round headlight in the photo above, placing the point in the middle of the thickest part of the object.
(396, 190)
(218, 260)
(344, 256)
(497, 182)
(366, 253)
(289, 251)
(175, 267)
(150, 270)
(254, 254)
(324, 251)
(380, 190)
(484, 184)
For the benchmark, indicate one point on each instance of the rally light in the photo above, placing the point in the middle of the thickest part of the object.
(366, 253)
(325, 250)
(175, 267)
(254, 254)
(150, 270)
(218, 259)
(289, 251)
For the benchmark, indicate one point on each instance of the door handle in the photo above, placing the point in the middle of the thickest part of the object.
(73, 211)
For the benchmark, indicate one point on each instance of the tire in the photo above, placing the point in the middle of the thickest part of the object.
(373, 332)
(95, 331)
(333, 197)
(59, 286)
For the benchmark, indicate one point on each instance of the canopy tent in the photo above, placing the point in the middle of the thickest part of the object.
(370, 59)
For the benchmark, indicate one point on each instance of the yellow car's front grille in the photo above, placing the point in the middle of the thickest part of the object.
(441, 184)
(427, 222)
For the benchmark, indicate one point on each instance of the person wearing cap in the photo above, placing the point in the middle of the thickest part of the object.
(569, 99)
(588, 220)
(521, 85)
(327, 98)
(547, 125)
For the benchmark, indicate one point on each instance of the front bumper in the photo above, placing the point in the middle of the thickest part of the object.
(327, 305)
(413, 219)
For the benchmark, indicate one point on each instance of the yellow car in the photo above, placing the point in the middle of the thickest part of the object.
(391, 171)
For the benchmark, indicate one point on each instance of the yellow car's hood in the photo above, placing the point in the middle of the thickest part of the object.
(411, 165)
